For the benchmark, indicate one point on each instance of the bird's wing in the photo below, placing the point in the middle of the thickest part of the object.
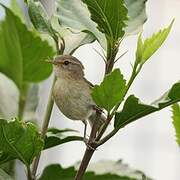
(90, 84)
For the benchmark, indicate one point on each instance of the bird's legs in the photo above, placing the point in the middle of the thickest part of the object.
(85, 129)
(84, 136)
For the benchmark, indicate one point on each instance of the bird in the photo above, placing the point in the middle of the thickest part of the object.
(72, 91)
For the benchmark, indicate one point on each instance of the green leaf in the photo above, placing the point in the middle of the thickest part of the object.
(176, 121)
(139, 50)
(110, 17)
(74, 40)
(56, 137)
(147, 48)
(133, 109)
(19, 140)
(56, 172)
(5, 158)
(22, 52)
(40, 19)
(75, 15)
(110, 91)
(136, 16)
(14, 6)
(4, 175)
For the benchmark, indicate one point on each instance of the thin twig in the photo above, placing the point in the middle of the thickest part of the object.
(120, 56)
(29, 175)
(44, 127)
(91, 147)
(104, 59)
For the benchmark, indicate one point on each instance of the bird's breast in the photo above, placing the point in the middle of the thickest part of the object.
(73, 98)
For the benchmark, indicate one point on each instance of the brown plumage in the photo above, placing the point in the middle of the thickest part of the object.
(72, 92)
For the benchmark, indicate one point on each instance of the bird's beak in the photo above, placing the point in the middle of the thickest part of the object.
(52, 62)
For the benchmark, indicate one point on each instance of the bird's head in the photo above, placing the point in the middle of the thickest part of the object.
(66, 66)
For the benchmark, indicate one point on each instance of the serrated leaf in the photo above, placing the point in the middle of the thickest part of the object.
(74, 14)
(147, 48)
(110, 17)
(133, 109)
(56, 172)
(110, 91)
(136, 16)
(56, 137)
(40, 19)
(19, 140)
(22, 52)
(176, 120)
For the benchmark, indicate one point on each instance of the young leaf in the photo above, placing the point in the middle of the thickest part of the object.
(176, 120)
(55, 172)
(110, 91)
(19, 140)
(147, 48)
(40, 19)
(110, 16)
(56, 137)
(22, 52)
(136, 16)
(133, 109)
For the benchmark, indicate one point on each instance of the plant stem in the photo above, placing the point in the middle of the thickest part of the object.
(104, 128)
(22, 100)
(111, 55)
(91, 147)
(84, 163)
(29, 176)
(44, 127)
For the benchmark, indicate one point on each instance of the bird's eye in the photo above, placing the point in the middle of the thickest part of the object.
(66, 62)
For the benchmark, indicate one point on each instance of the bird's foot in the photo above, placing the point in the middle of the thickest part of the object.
(89, 144)
(97, 109)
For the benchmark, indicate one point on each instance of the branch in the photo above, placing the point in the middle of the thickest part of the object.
(91, 147)
(44, 127)
(29, 175)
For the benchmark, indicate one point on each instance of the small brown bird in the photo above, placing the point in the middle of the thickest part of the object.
(72, 92)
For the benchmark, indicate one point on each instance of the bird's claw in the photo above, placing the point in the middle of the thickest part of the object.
(98, 109)
(89, 145)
